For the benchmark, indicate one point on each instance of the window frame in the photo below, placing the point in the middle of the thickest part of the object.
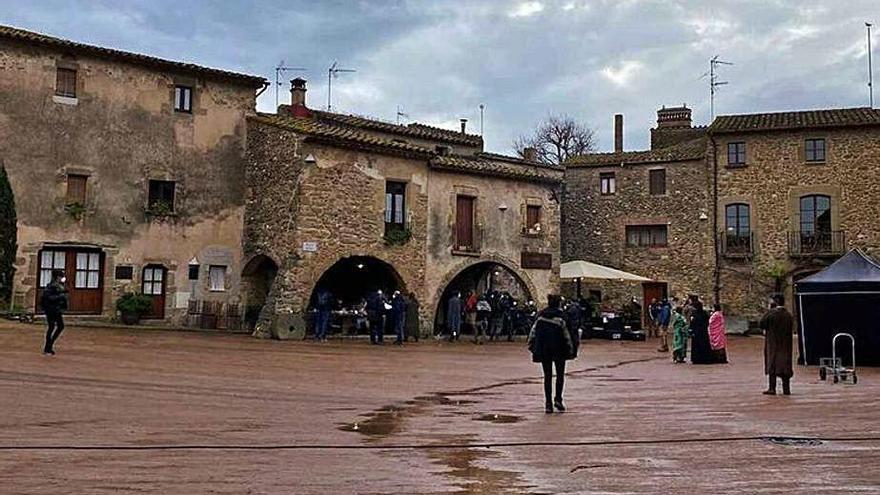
(814, 214)
(161, 188)
(739, 153)
(647, 235)
(395, 205)
(69, 196)
(608, 179)
(651, 175)
(536, 211)
(737, 228)
(152, 280)
(91, 268)
(223, 270)
(65, 82)
(45, 272)
(815, 150)
(183, 98)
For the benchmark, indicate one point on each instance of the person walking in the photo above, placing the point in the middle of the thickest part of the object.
(680, 331)
(324, 307)
(453, 316)
(484, 313)
(376, 317)
(398, 316)
(54, 303)
(718, 335)
(663, 317)
(573, 316)
(777, 324)
(551, 345)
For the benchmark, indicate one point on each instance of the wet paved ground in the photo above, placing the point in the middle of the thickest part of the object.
(169, 412)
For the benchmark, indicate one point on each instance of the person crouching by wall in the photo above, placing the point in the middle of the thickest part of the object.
(550, 344)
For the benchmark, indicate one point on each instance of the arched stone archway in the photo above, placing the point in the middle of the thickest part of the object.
(480, 275)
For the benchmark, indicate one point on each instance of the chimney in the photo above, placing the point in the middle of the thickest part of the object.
(463, 126)
(530, 154)
(618, 133)
(298, 106)
(674, 117)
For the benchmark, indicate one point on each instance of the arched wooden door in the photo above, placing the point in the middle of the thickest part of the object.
(153, 285)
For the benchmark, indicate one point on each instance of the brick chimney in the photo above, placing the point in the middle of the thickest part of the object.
(463, 126)
(618, 133)
(298, 106)
(530, 154)
(674, 117)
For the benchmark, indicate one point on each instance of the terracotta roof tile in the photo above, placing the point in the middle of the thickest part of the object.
(808, 119)
(694, 149)
(412, 130)
(484, 164)
(23, 36)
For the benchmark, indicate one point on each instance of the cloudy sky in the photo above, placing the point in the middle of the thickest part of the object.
(439, 60)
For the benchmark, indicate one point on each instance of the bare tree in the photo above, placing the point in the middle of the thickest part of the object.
(556, 139)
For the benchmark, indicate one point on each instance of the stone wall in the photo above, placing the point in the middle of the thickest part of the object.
(775, 177)
(594, 226)
(121, 131)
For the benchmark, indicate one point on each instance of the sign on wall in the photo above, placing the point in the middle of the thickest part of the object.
(310, 247)
(539, 261)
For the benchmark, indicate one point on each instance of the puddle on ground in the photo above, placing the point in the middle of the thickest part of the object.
(794, 441)
(471, 478)
(381, 423)
(499, 418)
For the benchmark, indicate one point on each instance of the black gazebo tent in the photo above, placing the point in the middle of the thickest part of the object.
(845, 297)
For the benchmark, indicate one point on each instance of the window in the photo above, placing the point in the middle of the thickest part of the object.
(65, 82)
(124, 272)
(533, 219)
(49, 262)
(736, 154)
(736, 220)
(607, 183)
(161, 195)
(395, 205)
(814, 150)
(217, 276)
(153, 283)
(465, 240)
(815, 215)
(657, 182)
(76, 189)
(194, 271)
(183, 99)
(88, 270)
(646, 235)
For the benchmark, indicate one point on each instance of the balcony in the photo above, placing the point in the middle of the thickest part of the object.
(468, 245)
(816, 243)
(737, 245)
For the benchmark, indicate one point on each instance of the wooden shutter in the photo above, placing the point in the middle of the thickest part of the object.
(76, 189)
(464, 222)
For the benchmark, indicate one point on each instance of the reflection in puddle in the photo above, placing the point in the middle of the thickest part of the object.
(499, 418)
(389, 420)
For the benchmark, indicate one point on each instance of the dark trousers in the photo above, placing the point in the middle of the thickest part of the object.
(548, 379)
(377, 330)
(322, 322)
(55, 325)
(400, 327)
(786, 383)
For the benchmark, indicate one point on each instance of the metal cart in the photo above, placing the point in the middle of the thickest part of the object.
(834, 365)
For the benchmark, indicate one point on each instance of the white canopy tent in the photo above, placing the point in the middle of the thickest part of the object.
(584, 270)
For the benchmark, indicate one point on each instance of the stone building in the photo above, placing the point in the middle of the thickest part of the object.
(644, 211)
(752, 203)
(353, 205)
(128, 173)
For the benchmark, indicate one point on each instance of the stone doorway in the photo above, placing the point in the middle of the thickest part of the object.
(258, 277)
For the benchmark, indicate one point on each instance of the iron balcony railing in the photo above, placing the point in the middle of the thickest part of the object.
(737, 245)
(817, 243)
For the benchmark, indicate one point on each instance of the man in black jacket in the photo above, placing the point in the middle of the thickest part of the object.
(54, 303)
(551, 345)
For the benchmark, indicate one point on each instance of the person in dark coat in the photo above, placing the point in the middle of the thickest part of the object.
(551, 346)
(398, 316)
(54, 304)
(453, 316)
(777, 324)
(324, 307)
(701, 349)
(573, 317)
(376, 317)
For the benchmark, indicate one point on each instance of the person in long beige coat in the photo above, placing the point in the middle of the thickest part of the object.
(778, 325)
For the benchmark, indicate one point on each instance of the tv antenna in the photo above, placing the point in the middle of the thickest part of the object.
(870, 68)
(333, 73)
(714, 83)
(279, 71)
(400, 114)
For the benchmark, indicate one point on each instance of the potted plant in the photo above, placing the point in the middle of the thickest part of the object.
(132, 306)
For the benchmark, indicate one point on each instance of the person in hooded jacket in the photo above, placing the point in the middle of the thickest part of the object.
(551, 345)
(54, 304)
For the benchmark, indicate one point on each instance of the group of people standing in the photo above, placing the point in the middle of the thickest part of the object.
(494, 314)
(689, 320)
(374, 312)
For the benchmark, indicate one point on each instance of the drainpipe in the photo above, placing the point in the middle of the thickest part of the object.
(717, 271)
(262, 90)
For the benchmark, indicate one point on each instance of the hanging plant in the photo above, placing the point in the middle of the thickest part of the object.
(76, 210)
(160, 209)
(397, 237)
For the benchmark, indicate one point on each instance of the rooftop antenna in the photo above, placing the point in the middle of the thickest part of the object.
(482, 107)
(400, 114)
(870, 68)
(333, 73)
(714, 83)
(280, 69)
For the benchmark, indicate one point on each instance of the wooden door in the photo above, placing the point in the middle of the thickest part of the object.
(652, 290)
(84, 270)
(464, 223)
(153, 285)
